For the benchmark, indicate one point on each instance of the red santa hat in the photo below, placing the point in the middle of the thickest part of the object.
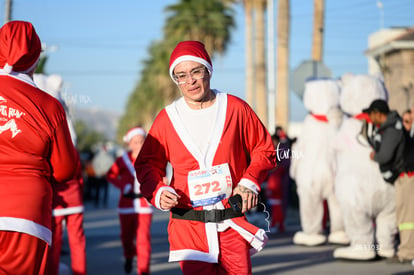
(134, 132)
(190, 51)
(20, 47)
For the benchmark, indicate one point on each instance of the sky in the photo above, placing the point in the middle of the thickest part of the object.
(98, 46)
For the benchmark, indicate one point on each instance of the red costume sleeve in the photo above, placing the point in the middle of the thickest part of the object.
(151, 162)
(258, 145)
(119, 174)
(63, 158)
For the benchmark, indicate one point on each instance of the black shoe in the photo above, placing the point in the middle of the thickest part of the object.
(128, 266)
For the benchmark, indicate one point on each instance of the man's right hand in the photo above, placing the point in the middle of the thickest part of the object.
(168, 200)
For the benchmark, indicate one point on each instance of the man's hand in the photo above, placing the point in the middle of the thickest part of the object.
(371, 155)
(168, 200)
(249, 197)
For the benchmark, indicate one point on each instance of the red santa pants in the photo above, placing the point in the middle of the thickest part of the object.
(22, 254)
(234, 258)
(274, 193)
(136, 239)
(77, 244)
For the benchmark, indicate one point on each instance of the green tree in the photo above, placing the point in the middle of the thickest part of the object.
(40, 69)
(207, 21)
(151, 93)
(86, 138)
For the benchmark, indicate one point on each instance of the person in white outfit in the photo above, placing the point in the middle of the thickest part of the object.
(314, 171)
(366, 200)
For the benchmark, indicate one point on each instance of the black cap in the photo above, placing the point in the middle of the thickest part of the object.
(378, 105)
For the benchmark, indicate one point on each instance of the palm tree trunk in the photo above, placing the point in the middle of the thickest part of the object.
(261, 91)
(249, 54)
(282, 90)
(318, 28)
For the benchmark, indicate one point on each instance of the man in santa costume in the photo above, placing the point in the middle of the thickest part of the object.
(277, 182)
(36, 150)
(218, 148)
(135, 213)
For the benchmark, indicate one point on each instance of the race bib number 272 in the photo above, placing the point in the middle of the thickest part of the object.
(210, 185)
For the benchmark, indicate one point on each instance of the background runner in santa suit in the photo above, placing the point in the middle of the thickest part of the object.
(135, 213)
(217, 147)
(67, 197)
(36, 150)
(68, 210)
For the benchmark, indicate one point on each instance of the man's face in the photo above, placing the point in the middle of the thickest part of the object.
(376, 117)
(407, 121)
(194, 89)
(412, 112)
(135, 144)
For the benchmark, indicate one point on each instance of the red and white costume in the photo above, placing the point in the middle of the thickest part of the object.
(67, 198)
(238, 139)
(121, 174)
(274, 194)
(35, 147)
(68, 207)
(135, 214)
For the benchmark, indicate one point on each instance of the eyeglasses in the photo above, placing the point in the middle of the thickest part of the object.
(195, 74)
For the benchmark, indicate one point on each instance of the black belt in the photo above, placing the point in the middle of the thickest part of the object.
(214, 215)
(132, 195)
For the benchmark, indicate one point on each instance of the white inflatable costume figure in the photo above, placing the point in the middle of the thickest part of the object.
(314, 170)
(365, 198)
(52, 85)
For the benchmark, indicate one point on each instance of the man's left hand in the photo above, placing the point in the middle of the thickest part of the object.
(249, 197)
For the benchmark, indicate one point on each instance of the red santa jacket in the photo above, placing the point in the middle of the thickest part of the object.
(68, 196)
(238, 139)
(121, 174)
(36, 148)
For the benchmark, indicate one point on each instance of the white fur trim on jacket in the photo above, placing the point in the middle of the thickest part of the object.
(67, 211)
(195, 255)
(26, 226)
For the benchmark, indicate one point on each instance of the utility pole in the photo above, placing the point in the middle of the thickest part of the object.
(282, 92)
(250, 96)
(260, 68)
(381, 9)
(271, 65)
(318, 29)
(7, 11)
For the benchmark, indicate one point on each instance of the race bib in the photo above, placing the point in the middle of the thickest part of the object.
(210, 185)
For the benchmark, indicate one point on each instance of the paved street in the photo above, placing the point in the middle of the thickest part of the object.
(280, 256)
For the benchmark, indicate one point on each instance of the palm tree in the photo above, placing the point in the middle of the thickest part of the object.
(248, 10)
(282, 89)
(207, 21)
(260, 66)
(152, 92)
(318, 27)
